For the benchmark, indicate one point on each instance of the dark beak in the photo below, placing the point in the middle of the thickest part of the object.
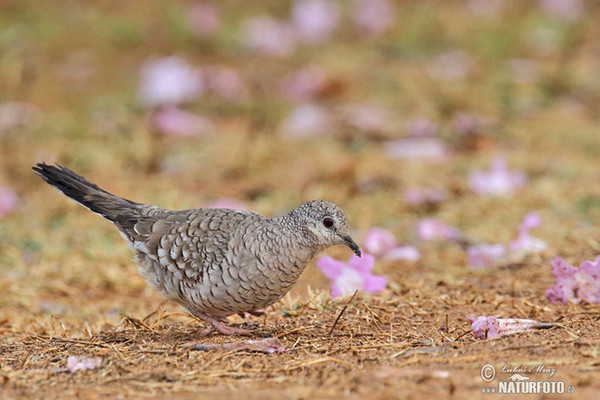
(351, 243)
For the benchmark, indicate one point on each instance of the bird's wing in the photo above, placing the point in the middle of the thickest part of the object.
(189, 243)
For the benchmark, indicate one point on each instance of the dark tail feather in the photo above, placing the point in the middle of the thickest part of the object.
(84, 192)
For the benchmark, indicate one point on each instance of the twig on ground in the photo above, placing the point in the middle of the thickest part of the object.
(342, 312)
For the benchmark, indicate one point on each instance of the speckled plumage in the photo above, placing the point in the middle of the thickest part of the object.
(214, 262)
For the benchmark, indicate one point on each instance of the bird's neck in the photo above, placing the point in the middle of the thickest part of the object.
(297, 239)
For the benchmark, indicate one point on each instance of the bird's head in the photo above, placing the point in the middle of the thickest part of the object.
(327, 223)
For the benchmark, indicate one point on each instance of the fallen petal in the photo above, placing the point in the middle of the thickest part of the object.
(204, 19)
(331, 267)
(377, 241)
(417, 148)
(490, 327)
(374, 17)
(591, 268)
(498, 180)
(561, 269)
(315, 19)
(270, 36)
(422, 127)
(169, 81)
(16, 115)
(486, 255)
(429, 196)
(408, 253)
(8, 200)
(306, 121)
(563, 9)
(177, 123)
(268, 345)
(75, 363)
(432, 228)
(511, 326)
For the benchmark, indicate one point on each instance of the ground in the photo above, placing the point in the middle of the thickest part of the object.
(484, 78)
(411, 341)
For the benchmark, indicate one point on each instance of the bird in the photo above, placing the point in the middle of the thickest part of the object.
(214, 262)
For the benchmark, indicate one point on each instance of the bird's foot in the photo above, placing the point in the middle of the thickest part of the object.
(216, 325)
(230, 330)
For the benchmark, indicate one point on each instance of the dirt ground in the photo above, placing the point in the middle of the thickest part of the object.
(482, 78)
(410, 342)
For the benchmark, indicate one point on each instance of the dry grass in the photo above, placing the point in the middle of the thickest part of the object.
(406, 343)
(68, 286)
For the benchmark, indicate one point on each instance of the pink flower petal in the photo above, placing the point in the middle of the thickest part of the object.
(531, 220)
(305, 122)
(16, 115)
(526, 244)
(486, 8)
(382, 243)
(490, 327)
(367, 117)
(336, 291)
(466, 123)
(374, 284)
(422, 127)
(430, 149)
(407, 253)
(204, 19)
(377, 241)
(452, 65)
(268, 345)
(350, 276)
(349, 281)
(363, 264)
(315, 20)
(557, 294)
(225, 82)
(432, 228)
(76, 363)
(374, 17)
(8, 200)
(510, 326)
(563, 9)
(498, 180)
(591, 268)
(270, 36)
(331, 267)
(493, 327)
(486, 255)
(169, 81)
(575, 284)
(480, 326)
(304, 84)
(429, 196)
(562, 269)
(174, 122)
(586, 288)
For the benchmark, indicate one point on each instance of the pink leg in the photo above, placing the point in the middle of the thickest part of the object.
(215, 324)
(256, 313)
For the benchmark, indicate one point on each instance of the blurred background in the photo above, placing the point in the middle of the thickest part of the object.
(471, 113)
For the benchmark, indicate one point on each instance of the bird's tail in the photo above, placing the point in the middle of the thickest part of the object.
(84, 192)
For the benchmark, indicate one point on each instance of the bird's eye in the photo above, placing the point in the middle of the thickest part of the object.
(327, 222)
